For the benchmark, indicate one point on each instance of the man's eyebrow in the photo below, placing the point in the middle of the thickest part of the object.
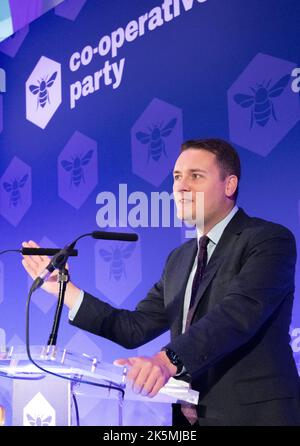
(191, 170)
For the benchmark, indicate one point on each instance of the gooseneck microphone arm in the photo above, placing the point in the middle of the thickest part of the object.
(59, 261)
(44, 252)
(61, 257)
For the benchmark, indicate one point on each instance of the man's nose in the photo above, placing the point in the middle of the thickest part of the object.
(182, 185)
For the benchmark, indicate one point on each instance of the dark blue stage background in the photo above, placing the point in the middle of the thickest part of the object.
(68, 132)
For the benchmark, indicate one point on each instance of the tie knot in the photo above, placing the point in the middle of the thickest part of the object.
(203, 242)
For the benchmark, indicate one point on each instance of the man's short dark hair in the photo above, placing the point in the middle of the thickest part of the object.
(226, 156)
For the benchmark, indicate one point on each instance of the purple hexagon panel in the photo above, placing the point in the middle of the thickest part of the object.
(77, 169)
(43, 92)
(16, 341)
(40, 298)
(1, 113)
(12, 44)
(15, 193)
(262, 106)
(1, 282)
(117, 268)
(70, 8)
(155, 140)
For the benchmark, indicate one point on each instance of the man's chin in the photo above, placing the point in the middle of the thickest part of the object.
(187, 219)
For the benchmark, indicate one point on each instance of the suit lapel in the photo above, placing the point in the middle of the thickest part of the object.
(222, 250)
(185, 265)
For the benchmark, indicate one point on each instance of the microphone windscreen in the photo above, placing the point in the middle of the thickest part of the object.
(45, 252)
(121, 236)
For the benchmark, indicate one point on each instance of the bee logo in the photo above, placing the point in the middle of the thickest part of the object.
(261, 100)
(116, 258)
(75, 166)
(155, 139)
(39, 420)
(42, 90)
(14, 189)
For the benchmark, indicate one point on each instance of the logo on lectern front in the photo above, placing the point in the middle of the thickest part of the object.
(39, 412)
(43, 92)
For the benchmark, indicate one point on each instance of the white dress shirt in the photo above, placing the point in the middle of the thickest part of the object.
(214, 236)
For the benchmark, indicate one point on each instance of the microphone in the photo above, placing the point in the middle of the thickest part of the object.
(45, 252)
(56, 262)
(123, 236)
(61, 257)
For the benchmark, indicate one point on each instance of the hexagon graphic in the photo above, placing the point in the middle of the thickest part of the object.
(15, 191)
(117, 268)
(1, 282)
(261, 104)
(77, 169)
(44, 301)
(70, 9)
(16, 341)
(43, 92)
(39, 412)
(12, 44)
(155, 141)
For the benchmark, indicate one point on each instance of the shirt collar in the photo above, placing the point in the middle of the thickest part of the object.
(216, 232)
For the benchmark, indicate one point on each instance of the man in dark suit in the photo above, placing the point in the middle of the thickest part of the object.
(226, 299)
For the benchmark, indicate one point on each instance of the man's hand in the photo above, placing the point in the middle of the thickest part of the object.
(34, 265)
(148, 375)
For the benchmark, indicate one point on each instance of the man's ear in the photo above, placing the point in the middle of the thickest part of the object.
(231, 185)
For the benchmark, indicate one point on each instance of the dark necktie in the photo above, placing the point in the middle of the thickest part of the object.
(201, 264)
(189, 410)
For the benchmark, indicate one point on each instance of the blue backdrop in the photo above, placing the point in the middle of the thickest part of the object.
(100, 94)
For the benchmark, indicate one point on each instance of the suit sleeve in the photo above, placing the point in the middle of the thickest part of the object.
(130, 329)
(265, 280)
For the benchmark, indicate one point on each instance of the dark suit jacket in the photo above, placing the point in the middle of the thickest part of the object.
(237, 349)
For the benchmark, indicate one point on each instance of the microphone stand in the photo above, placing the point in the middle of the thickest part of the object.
(63, 279)
(59, 262)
